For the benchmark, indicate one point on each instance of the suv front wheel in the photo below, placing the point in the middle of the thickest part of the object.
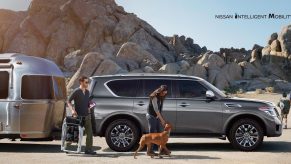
(246, 134)
(122, 135)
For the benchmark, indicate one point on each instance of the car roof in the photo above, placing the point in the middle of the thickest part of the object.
(147, 75)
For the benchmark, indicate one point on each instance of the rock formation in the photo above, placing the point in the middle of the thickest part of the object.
(97, 37)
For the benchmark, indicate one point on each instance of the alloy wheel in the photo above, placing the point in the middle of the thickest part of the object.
(247, 135)
(121, 136)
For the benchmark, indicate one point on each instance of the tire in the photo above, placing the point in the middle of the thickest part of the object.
(122, 135)
(246, 135)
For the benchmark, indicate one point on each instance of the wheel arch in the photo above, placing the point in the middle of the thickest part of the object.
(232, 120)
(114, 117)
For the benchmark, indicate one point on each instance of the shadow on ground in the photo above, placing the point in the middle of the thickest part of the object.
(32, 148)
(267, 146)
(116, 155)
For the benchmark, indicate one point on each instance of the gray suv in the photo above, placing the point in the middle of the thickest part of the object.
(194, 107)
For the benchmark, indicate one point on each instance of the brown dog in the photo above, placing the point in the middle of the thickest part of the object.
(160, 139)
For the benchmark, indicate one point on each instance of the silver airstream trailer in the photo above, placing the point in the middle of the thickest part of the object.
(32, 97)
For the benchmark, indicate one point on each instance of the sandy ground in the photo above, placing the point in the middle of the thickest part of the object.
(184, 150)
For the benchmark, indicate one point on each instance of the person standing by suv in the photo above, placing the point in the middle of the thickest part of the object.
(284, 105)
(154, 110)
(80, 96)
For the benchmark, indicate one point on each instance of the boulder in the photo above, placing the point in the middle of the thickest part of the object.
(223, 77)
(276, 46)
(132, 51)
(211, 61)
(273, 37)
(197, 70)
(94, 64)
(282, 85)
(266, 54)
(73, 60)
(285, 40)
(221, 81)
(259, 83)
(212, 74)
(155, 44)
(148, 69)
(170, 68)
(92, 10)
(250, 71)
(182, 45)
(274, 71)
(184, 66)
(255, 55)
(178, 45)
(108, 67)
(137, 71)
(128, 65)
(88, 66)
(126, 27)
(232, 72)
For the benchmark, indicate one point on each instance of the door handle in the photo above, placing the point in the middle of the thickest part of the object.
(141, 103)
(184, 104)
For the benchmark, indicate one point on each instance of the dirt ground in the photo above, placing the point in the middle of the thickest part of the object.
(274, 150)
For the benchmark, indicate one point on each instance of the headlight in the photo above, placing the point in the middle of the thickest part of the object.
(269, 110)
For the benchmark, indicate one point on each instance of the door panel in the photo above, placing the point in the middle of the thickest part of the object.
(198, 116)
(9, 117)
(147, 86)
(35, 117)
(108, 106)
(195, 113)
(169, 110)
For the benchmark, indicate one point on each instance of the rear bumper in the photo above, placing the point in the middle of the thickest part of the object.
(274, 127)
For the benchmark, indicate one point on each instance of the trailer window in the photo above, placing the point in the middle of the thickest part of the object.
(60, 88)
(37, 87)
(4, 84)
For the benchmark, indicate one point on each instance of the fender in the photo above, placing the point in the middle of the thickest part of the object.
(241, 113)
(116, 114)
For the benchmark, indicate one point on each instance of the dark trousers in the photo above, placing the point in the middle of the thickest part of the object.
(155, 126)
(89, 133)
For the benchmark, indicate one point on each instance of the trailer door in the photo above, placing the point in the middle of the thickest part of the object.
(36, 109)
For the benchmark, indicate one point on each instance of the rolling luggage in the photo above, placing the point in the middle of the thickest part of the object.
(72, 134)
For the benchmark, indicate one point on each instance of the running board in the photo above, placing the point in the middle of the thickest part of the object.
(222, 137)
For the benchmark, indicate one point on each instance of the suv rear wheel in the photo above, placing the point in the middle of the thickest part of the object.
(122, 135)
(246, 134)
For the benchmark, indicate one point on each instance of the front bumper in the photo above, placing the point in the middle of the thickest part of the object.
(274, 127)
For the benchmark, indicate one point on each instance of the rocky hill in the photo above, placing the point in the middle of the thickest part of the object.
(97, 37)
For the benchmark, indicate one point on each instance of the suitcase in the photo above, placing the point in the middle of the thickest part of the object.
(72, 133)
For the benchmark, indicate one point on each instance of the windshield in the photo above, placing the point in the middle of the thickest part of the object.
(214, 89)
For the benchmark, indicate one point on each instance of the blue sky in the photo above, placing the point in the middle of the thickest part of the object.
(196, 19)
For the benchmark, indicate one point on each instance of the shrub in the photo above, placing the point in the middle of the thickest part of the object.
(259, 91)
(231, 90)
(270, 89)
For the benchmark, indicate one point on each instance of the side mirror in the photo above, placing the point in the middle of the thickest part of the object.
(210, 94)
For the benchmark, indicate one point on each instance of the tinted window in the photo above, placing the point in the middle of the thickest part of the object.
(4, 85)
(191, 89)
(150, 85)
(60, 88)
(124, 88)
(37, 87)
